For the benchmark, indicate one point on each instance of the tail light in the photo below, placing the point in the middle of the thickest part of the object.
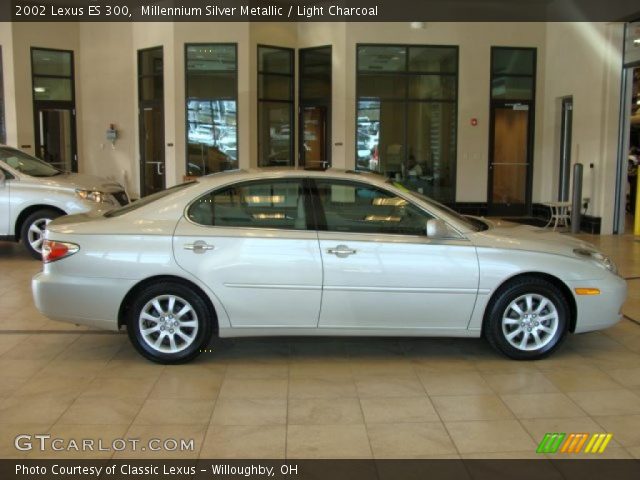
(52, 250)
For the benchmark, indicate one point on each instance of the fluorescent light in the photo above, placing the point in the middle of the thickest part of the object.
(268, 216)
(636, 41)
(264, 198)
(39, 89)
(381, 218)
(392, 202)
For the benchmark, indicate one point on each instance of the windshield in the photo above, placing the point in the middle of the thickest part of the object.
(27, 164)
(472, 224)
(116, 212)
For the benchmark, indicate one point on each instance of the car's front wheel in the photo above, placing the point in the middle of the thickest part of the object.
(33, 229)
(169, 323)
(528, 319)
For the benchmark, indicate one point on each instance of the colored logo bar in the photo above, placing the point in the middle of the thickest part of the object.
(574, 443)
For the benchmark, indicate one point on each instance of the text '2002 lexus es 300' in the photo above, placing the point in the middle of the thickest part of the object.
(252, 253)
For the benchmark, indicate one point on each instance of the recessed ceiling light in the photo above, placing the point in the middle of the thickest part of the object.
(39, 89)
(636, 41)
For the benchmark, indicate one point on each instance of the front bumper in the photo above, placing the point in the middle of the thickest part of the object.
(94, 302)
(596, 312)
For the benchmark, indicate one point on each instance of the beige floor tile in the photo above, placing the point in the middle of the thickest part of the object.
(188, 441)
(389, 386)
(250, 411)
(241, 441)
(409, 440)
(398, 410)
(587, 380)
(253, 388)
(175, 411)
(625, 428)
(634, 452)
(49, 386)
(113, 387)
(10, 385)
(258, 370)
(20, 368)
(32, 409)
(171, 385)
(322, 387)
(523, 455)
(542, 405)
(464, 383)
(610, 402)
(101, 411)
(530, 382)
(322, 368)
(324, 411)
(490, 436)
(627, 377)
(390, 366)
(471, 407)
(327, 441)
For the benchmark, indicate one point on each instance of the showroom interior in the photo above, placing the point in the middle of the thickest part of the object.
(488, 118)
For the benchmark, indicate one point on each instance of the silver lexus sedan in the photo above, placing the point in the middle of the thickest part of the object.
(295, 252)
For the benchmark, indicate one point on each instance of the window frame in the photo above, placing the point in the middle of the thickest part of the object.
(186, 100)
(260, 100)
(310, 213)
(406, 100)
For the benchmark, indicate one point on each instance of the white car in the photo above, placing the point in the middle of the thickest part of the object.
(33, 193)
(294, 252)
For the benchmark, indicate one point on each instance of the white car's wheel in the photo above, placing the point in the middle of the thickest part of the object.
(527, 319)
(33, 229)
(169, 323)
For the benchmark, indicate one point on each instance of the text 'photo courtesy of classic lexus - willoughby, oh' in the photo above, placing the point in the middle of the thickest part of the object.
(301, 252)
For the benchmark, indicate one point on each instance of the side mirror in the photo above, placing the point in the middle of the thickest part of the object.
(437, 228)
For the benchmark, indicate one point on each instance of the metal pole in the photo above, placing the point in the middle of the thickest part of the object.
(576, 199)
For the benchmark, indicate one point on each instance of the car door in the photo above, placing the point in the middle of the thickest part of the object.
(255, 246)
(381, 271)
(5, 206)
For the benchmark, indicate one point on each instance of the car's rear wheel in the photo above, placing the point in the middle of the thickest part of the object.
(33, 229)
(169, 323)
(527, 319)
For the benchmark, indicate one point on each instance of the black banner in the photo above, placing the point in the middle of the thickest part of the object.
(317, 11)
(208, 469)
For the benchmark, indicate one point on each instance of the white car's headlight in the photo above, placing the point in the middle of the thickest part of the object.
(94, 196)
(598, 257)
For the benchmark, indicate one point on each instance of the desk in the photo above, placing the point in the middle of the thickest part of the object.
(560, 215)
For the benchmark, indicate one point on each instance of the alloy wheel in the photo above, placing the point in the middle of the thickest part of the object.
(35, 235)
(168, 323)
(530, 322)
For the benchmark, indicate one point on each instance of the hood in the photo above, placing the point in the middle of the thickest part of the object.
(81, 181)
(515, 236)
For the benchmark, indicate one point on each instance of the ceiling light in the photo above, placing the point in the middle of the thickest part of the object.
(636, 41)
(39, 89)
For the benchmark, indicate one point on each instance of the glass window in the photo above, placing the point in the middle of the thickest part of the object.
(406, 115)
(433, 59)
(51, 62)
(360, 208)
(513, 61)
(275, 106)
(380, 58)
(512, 73)
(261, 204)
(26, 164)
(47, 88)
(212, 108)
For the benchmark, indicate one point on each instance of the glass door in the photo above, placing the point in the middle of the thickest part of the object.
(314, 131)
(152, 165)
(510, 159)
(151, 111)
(55, 136)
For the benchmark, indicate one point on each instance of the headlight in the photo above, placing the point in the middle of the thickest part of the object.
(94, 196)
(597, 257)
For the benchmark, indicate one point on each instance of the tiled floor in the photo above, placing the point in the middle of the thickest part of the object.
(330, 398)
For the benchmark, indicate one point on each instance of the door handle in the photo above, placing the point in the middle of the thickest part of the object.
(199, 247)
(341, 251)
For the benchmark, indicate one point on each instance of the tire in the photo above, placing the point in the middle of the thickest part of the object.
(184, 334)
(32, 230)
(525, 331)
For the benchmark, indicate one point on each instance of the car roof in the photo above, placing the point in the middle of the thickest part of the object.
(289, 172)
